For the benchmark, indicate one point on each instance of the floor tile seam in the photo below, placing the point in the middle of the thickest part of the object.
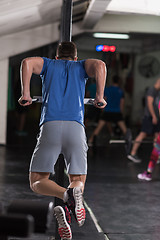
(95, 221)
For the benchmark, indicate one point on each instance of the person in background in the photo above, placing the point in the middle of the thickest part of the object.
(150, 122)
(62, 126)
(113, 112)
(147, 175)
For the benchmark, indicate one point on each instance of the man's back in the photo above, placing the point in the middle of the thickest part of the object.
(63, 89)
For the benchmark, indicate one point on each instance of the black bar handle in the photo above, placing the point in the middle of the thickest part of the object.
(100, 104)
(33, 100)
(24, 101)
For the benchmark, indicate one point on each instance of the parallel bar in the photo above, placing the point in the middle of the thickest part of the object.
(38, 99)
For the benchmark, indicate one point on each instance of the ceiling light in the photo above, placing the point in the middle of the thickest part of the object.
(111, 35)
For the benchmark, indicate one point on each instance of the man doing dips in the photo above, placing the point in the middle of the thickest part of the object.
(61, 126)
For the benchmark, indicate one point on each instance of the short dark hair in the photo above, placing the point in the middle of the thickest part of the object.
(116, 79)
(66, 50)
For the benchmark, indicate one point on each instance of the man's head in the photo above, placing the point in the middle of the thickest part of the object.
(116, 79)
(66, 50)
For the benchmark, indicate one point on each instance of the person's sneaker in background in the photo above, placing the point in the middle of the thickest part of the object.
(134, 158)
(145, 176)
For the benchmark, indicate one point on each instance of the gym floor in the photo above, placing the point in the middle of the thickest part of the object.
(118, 205)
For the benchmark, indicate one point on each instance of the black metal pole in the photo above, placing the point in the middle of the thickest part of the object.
(59, 176)
(66, 21)
(65, 35)
(66, 32)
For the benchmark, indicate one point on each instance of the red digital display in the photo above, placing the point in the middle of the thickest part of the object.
(105, 48)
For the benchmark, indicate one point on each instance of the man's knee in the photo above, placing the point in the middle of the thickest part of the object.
(35, 180)
(77, 180)
(80, 178)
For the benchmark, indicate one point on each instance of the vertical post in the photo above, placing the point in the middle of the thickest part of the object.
(59, 176)
(59, 179)
(66, 32)
(65, 35)
(66, 21)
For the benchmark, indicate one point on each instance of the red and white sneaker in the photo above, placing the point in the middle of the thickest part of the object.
(63, 217)
(75, 204)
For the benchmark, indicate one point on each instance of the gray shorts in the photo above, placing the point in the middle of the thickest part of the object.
(55, 137)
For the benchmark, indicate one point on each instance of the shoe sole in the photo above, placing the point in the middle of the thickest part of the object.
(63, 226)
(133, 159)
(79, 208)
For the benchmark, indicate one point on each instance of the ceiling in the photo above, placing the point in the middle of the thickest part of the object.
(91, 15)
(18, 15)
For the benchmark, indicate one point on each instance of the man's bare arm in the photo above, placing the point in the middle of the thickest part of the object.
(97, 69)
(151, 109)
(122, 105)
(28, 67)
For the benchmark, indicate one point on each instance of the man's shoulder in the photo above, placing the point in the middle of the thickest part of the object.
(48, 60)
(81, 61)
(151, 90)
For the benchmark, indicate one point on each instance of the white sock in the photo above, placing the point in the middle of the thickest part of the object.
(65, 196)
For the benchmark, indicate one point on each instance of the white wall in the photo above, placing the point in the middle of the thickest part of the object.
(20, 42)
(11, 45)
